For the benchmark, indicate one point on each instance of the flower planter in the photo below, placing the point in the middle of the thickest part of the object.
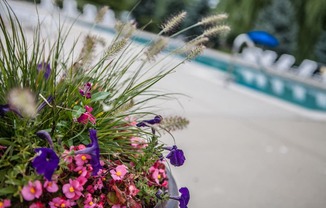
(76, 131)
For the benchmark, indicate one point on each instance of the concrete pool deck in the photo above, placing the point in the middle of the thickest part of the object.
(243, 149)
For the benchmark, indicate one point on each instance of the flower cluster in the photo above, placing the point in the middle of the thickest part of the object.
(76, 130)
(80, 176)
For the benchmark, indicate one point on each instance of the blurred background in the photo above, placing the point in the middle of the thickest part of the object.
(258, 139)
(299, 25)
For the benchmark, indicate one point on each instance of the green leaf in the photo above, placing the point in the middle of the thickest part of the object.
(4, 141)
(84, 139)
(63, 124)
(99, 96)
(15, 157)
(77, 111)
(8, 190)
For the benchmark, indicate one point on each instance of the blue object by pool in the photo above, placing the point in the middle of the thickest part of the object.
(263, 38)
(292, 91)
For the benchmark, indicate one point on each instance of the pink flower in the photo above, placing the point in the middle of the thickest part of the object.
(68, 156)
(51, 186)
(61, 202)
(81, 159)
(133, 190)
(5, 203)
(100, 205)
(158, 174)
(88, 203)
(138, 143)
(165, 184)
(86, 90)
(119, 172)
(72, 190)
(37, 205)
(80, 147)
(90, 189)
(82, 171)
(131, 121)
(99, 184)
(32, 190)
(87, 116)
(82, 180)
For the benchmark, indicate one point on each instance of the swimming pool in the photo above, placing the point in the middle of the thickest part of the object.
(289, 90)
(303, 94)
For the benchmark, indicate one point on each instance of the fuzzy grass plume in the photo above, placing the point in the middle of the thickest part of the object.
(213, 19)
(173, 123)
(173, 22)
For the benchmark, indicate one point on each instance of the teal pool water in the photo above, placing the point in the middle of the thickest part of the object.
(288, 90)
(297, 93)
(291, 91)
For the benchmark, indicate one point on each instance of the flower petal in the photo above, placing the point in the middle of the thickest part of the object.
(46, 162)
(176, 156)
(94, 151)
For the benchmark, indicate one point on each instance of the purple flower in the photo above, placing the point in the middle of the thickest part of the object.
(156, 120)
(46, 136)
(175, 155)
(44, 67)
(46, 162)
(86, 90)
(93, 150)
(43, 104)
(4, 109)
(159, 194)
(184, 198)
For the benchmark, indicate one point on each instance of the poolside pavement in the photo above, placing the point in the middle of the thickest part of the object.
(243, 149)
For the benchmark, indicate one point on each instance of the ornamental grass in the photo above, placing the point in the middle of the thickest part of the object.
(76, 125)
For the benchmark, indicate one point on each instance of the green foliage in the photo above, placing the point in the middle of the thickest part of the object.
(196, 10)
(151, 13)
(147, 13)
(113, 85)
(242, 14)
(279, 19)
(121, 76)
(311, 18)
(320, 48)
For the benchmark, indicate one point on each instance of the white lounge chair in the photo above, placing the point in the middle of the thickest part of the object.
(267, 58)
(47, 4)
(89, 12)
(239, 41)
(323, 74)
(306, 68)
(70, 8)
(284, 63)
(251, 54)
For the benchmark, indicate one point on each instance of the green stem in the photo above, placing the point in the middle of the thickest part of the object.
(183, 30)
